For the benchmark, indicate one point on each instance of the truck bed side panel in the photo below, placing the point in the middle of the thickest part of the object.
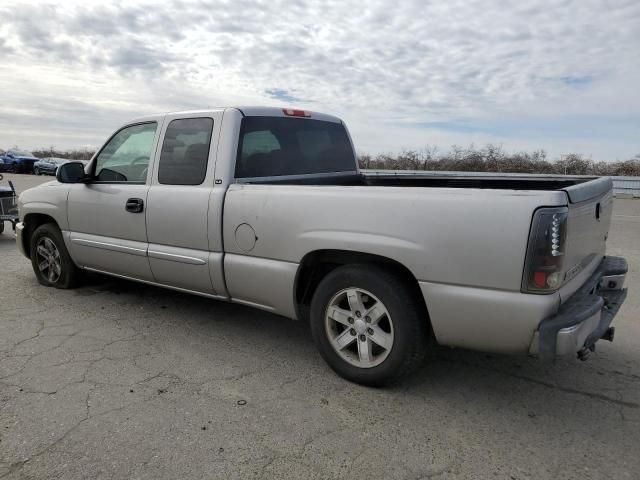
(459, 237)
(448, 237)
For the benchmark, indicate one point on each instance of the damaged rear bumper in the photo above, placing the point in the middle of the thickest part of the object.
(586, 317)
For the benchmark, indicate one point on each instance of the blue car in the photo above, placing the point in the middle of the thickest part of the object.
(18, 161)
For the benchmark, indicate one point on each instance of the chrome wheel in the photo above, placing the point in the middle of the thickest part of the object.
(359, 327)
(48, 259)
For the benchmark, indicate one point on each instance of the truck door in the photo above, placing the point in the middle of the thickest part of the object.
(107, 216)
(178, 203)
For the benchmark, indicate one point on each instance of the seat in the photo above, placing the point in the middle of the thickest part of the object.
(194, 164)
(188, 169)
(274, 163)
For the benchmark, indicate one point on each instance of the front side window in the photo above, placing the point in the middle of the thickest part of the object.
(185, 152)
(125, 158)
(277, 146)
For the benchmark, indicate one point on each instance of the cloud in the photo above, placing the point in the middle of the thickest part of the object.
(541, 73)
(131, 57)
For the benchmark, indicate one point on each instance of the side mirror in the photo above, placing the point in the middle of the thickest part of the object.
(72, 172)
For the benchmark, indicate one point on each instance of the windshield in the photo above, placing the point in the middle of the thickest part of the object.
(21, 153)
(276, 146)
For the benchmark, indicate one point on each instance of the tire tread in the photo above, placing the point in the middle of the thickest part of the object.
(70, 272)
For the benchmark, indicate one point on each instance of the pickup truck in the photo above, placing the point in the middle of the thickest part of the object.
(266, 207)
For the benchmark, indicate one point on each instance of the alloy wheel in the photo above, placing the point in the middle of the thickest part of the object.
(359, 327)
(48, 259)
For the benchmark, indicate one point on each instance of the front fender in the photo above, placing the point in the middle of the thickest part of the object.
(50, 200)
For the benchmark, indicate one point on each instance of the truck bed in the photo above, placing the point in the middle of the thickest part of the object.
(579, 188)
(500, 181)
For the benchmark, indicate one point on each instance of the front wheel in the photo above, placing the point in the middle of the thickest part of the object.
(36, 171)
(50, 259)
(368, 324)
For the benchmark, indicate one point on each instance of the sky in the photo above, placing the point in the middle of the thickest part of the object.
(563, 76)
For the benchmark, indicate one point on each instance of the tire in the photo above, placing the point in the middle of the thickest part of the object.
(36, 171)
(393, 316)
(54, 253)
(1, 226)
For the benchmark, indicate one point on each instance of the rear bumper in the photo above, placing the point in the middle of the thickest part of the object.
(586, 317)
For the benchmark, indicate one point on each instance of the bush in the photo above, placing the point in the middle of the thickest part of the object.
(493, 158)
(72, 154)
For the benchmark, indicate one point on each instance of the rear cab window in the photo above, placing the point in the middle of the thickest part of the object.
(280, 146)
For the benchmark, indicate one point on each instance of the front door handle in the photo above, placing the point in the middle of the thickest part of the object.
(134, 205)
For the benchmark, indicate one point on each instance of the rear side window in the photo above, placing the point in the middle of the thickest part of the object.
(275, 146)
(185, 151)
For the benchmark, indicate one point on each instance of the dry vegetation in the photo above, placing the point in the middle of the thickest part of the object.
(493, 158)
(73, 154)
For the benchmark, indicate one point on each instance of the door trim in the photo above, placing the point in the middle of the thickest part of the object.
(172, 257)
(156, 284)
(109, 246)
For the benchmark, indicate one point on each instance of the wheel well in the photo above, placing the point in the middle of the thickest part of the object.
(316, 265)
(33, 221)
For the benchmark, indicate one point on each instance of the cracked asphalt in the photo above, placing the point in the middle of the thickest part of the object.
(117, 380)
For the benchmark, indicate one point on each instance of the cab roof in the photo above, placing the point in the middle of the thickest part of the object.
(249, 111)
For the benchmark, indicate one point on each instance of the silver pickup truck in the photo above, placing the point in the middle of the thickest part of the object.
(267, 207)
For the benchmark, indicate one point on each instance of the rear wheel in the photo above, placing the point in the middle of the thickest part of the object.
(50, 259)
(368, 324)
(1, 226)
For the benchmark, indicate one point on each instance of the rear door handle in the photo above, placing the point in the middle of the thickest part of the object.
(134, 205)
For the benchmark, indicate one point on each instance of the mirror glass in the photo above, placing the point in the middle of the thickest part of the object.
(71, 172)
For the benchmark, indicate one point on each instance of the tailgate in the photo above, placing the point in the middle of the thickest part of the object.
(590, 209)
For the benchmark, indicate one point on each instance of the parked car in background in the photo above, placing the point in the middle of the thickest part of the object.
(18, 161)
(49, 165)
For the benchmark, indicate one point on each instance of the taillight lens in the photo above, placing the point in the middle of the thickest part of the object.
(545, 254)
(292, 112)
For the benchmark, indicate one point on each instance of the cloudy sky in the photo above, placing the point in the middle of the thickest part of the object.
(559, 75)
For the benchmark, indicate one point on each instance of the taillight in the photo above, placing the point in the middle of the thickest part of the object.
(291, 112)
(545, 253)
